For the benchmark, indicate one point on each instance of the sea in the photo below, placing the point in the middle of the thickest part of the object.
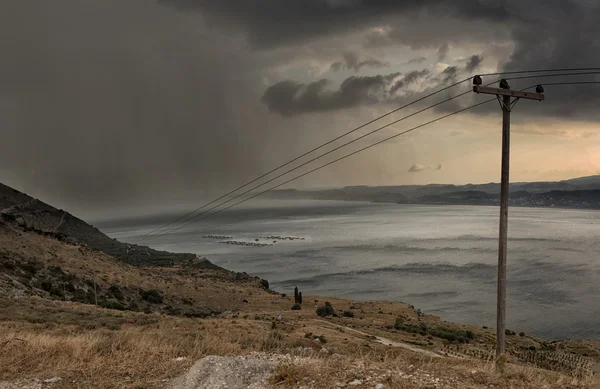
(441, 259)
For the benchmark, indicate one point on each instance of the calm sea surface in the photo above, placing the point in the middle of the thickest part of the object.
(441, 259)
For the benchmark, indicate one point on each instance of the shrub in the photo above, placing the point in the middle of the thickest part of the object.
(152, 296)
(29, 267)
(325, 310)
(264, 284)
(296, 307)
(348, 314)
(509, 332)
(8, 265)
(521, 333)
(532, 348)
(47, 285)
(322, 338)
(113, 305)
(449, 334)
(116, 292)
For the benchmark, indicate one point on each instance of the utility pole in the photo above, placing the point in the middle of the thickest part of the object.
(504, 95)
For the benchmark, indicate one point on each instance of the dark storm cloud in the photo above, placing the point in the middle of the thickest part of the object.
(271, 23)
(121, 103)
(352, 61)
(409, 79)
(545, 34)
(473, 63)
(289, 98)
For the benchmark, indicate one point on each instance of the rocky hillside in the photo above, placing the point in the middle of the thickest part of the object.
(35, 215)
(36, 264)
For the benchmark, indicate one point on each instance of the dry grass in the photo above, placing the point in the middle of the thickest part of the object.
(139, 351)
(91, 347)
(127, 358)
(398, 369)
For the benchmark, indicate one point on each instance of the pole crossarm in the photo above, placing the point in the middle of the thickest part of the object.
(507, 92)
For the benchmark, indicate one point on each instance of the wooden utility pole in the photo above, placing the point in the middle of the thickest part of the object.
(506, 105)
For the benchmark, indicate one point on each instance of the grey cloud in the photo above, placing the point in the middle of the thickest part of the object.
(409, 79)
(473, 63)
(417, 168)
(289, 98)
(443, 52)
(151, 109)
(353, 62)
(530, 27)
(273, 23)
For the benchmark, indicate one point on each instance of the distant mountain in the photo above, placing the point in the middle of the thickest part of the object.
(581, 192)
(33, 214)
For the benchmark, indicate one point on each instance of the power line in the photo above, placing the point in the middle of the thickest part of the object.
(336, 160)
(356, 129)
(553, 75)
(313, 150)
(191, 221)
(570, 83)
(316, 158)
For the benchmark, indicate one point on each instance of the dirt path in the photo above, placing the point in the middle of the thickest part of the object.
(17, 207)
(62, 219)
(387, 342)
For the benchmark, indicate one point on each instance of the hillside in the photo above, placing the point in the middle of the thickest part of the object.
(79, 317)
(33, 214)
(576, 193)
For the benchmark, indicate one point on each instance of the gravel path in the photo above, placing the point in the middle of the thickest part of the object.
(236, 372)
(389, 342)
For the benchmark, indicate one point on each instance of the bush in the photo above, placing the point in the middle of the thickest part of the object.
(449, 334)
(322, 338)
(296, 307)
(116, 292)
(152, 296)
(30, 267)
(8, 265)
(521, 334)
(264, 284)
(325, 310)
(113, 305)
(348, 314)
(532, 348)
(47, 285)
(509, 332)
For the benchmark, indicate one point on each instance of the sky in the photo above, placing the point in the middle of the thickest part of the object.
(112, 107)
